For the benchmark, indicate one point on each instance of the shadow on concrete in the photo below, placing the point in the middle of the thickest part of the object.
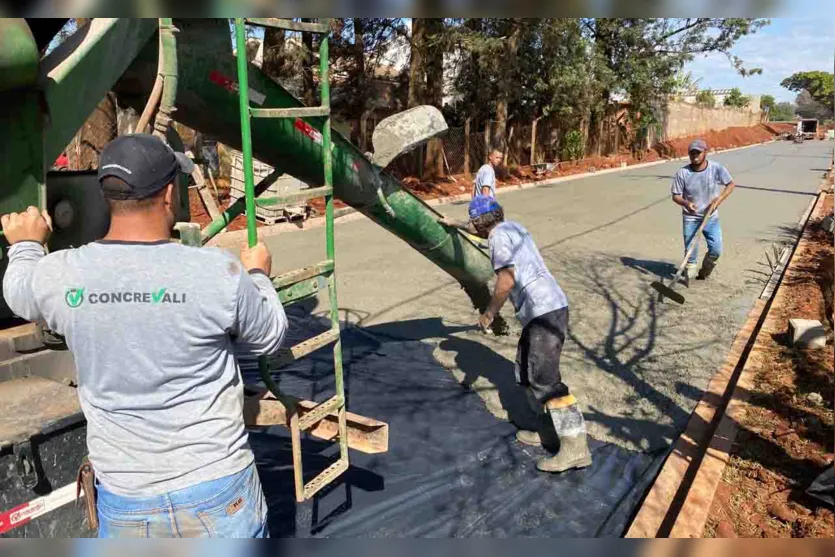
(775, 190)
(661, 269)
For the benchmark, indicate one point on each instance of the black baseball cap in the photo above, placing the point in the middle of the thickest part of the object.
(144, 162)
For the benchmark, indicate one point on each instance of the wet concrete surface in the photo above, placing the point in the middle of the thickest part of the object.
(638, 367)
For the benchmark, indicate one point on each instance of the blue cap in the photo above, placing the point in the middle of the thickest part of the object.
(481, 205)
(698, 145)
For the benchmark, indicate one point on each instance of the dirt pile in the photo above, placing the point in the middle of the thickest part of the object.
(723, 139)
(786, 436)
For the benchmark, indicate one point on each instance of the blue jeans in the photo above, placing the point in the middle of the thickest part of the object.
(229, 507)
(712, 233)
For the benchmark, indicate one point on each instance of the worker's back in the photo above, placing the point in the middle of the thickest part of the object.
(152, 329)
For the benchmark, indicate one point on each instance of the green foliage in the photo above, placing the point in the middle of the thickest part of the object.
(736, 99)
(705, 99)
(573, 147)
(767, 102)
(782, 112)
(820, 85)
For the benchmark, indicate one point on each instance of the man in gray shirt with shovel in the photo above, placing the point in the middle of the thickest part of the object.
(700, 187)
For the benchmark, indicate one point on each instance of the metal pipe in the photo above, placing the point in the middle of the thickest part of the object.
(246, 137)
(153, 102)
(168, 54)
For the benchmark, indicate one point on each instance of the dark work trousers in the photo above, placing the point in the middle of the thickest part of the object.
(538, 356)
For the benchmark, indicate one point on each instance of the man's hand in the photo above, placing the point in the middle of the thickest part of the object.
(713, 206)
(257, 257)
(485, 320)
(31, 225)
(446, 221)
(691, 208)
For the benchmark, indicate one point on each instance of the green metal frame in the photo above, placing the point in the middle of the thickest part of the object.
(304, 283)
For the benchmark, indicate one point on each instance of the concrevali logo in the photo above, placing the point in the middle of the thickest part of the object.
(75, 296)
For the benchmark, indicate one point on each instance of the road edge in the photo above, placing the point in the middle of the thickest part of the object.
(684, 487)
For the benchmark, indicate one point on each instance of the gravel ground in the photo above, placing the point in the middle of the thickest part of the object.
(637, 367)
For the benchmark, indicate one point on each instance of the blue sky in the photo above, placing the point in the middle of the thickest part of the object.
(780, 49)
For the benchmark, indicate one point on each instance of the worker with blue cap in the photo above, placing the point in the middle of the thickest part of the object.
(542, 308)
(700, 187)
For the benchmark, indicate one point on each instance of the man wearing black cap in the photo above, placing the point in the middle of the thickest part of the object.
(700, 187)
(153, 326)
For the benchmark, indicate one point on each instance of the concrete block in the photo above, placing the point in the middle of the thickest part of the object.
(807, 333)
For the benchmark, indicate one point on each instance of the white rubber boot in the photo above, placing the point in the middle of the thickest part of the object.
(571, 430)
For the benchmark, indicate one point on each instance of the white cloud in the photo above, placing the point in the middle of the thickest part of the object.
(784, 47)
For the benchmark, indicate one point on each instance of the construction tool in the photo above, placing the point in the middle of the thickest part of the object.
(666, 290)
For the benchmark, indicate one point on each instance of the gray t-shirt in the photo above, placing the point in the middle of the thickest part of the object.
(701, 187)
(536, 291)
(486, 177)
(153, 329)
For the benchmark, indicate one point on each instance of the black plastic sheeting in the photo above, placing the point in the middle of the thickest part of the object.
(452, 469)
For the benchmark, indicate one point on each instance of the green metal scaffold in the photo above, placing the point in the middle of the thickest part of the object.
(299, 284)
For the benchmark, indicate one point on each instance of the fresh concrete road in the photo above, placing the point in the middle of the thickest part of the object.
(638, 367)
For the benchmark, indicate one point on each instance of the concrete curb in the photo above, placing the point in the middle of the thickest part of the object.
(349, 214)
(678, 503)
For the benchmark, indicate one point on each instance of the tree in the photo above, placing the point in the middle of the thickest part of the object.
(736, 99)
(643, 56)
(705, 99)
(767, 102)
(807, 107)
(782, 112)
(820, 85)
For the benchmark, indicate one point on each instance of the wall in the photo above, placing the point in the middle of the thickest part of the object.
(684, 119)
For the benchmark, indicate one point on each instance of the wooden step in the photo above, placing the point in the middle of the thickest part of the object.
(367, 435)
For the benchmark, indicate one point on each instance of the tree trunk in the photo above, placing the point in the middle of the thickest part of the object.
(417, 77)
(467, 146)
(360, 102)
(359, 62)
(309, 85)
(434, 93)
(417, 70)
(506, 83)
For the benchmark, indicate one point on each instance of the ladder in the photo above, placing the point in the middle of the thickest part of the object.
(301, 283)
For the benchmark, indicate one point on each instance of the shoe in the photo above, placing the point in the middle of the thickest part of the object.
(527, 437)
(571, 431)
(708, 265)
(574, 453)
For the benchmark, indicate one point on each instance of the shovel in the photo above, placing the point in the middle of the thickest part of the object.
(666, 290)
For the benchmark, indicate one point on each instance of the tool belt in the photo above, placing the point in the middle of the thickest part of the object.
(86, 482)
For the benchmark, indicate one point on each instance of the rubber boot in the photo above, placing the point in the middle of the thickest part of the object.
(708, 265)
(571, 430)
(689, 272)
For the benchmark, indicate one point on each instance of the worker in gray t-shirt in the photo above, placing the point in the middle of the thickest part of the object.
(485, 179)
(700, 187)
(154, 326)
(542, 308)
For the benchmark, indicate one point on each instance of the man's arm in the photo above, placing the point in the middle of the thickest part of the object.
(729, 187)
(677, 192)
(260, 321)
(467, 226)
(688, 205)
(27, 233)
(17, 282)
(505, 281)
